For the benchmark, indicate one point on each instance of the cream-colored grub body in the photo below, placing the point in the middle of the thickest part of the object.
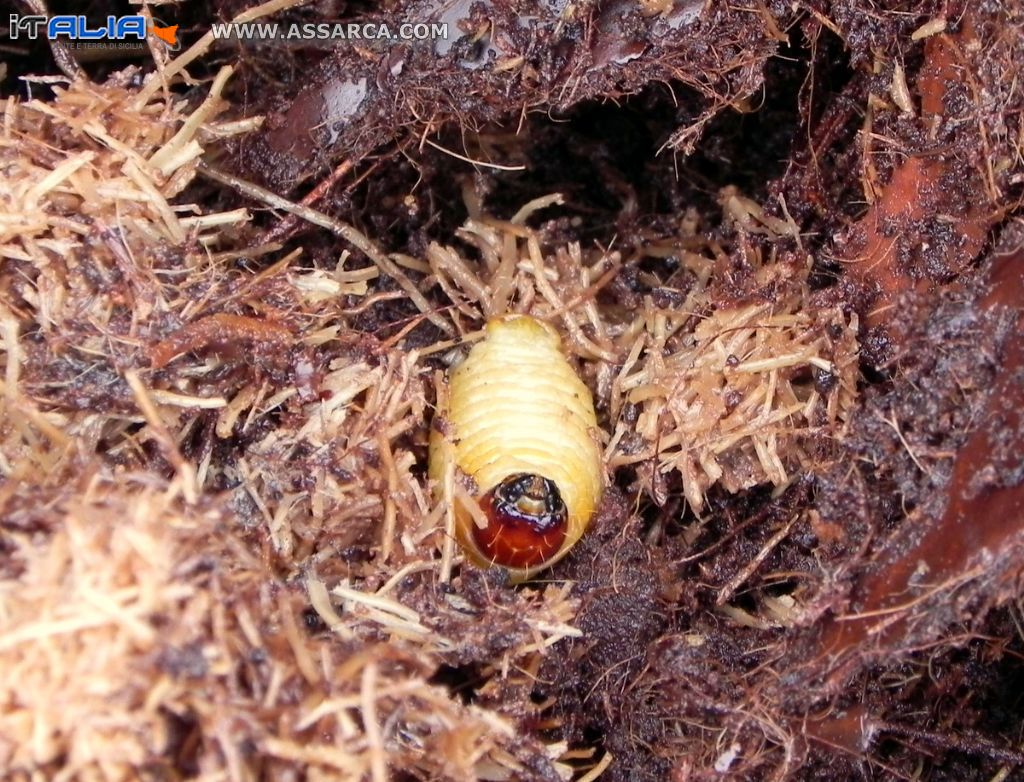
(515, 405)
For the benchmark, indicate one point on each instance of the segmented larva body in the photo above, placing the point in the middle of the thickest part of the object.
(520, 429)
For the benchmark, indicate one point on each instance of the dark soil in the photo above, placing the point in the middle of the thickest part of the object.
(903, 656)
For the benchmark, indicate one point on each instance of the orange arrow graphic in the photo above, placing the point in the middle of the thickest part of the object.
(168, 35)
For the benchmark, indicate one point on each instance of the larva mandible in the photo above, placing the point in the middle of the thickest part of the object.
(520, 428)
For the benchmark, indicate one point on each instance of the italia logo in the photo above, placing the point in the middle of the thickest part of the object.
(78, 28)
(167, 34)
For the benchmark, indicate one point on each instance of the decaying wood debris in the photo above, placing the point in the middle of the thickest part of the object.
(783, 245)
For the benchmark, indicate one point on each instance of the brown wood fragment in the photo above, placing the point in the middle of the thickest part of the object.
(220, 330)
(980, 536)
(917, 193)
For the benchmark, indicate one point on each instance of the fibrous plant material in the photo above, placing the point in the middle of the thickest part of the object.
(712, 389)
(142, 635)
(738, 400)
(165, 600)
(89, 186)
(533, 54)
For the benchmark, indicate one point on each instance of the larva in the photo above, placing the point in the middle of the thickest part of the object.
(519, 428)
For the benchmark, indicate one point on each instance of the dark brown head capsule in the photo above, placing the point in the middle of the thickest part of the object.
(527, 521)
